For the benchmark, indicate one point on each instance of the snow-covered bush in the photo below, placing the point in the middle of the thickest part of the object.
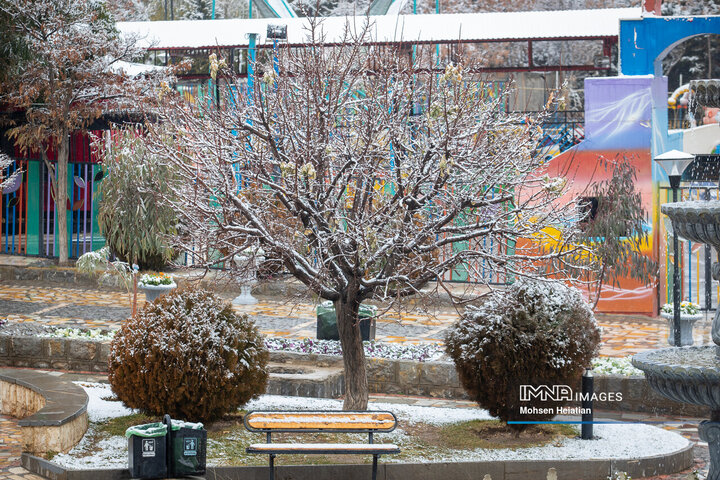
(190, 355)
(536, 333)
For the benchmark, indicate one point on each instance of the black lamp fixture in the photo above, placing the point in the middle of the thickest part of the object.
(674, 164)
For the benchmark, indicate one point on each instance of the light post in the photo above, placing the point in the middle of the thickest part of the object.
(674, 164)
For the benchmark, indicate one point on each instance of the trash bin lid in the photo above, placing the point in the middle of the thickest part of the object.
(148, 430)
(178, 424)
(366, 310)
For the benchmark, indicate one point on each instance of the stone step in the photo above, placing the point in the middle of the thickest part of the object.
(305, 380)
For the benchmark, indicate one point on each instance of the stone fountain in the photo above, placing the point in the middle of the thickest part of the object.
(692, 374)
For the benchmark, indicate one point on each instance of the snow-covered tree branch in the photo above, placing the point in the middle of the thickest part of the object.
(71, 72)
(367, 178)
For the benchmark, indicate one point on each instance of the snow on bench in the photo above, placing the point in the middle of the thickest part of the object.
(321, 421)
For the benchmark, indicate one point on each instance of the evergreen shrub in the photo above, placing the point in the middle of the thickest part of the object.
(535, 333)
(190, 355)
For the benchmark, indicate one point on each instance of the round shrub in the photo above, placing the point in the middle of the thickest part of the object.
(190, 355)
(536, 333)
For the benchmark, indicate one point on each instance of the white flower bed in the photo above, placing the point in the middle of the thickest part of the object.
(419, 352)
(87, 334)
(615, 366)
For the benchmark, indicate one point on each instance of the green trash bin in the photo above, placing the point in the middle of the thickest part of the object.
(327, 322)
(187, 448)
(147, 450)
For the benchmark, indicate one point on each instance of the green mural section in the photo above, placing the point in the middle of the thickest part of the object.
(33, 208)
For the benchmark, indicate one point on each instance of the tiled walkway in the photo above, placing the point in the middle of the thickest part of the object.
(10, 442)
(95, 308)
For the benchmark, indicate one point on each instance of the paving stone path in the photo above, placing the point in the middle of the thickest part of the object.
(28, 303)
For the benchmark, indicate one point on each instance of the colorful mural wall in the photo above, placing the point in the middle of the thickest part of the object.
(618, 115)
(628, 116)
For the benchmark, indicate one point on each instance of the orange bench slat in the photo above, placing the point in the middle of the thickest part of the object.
(321, 421)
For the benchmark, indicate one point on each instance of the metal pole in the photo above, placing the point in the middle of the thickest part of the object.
(212, 17)
(251, 67)
(276, 57)
(437, 46)
(708, 269)
(586, 432)
(675, 183)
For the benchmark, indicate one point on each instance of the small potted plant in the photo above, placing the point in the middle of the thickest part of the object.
(155, 285)
(689, 314)
(247, 261)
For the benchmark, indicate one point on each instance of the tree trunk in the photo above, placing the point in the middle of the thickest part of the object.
(61, 198)
(356, 385)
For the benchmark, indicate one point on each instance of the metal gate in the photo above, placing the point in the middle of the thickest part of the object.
(27, 207)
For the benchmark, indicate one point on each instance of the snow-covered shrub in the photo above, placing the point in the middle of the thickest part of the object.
(190, 355)
(536, 333)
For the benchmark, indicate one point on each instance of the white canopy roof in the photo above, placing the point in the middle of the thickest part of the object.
(577, 24)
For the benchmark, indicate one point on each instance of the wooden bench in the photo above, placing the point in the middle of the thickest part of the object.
(371, 422)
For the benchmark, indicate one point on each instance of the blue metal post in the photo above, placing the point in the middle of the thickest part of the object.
(437, 47)
(251, 66)
(276, 59)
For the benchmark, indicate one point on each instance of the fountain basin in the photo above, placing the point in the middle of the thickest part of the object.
(683, 374)
(697, 221)
(706, 92)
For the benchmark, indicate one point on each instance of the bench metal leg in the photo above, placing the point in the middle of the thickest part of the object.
(374, 471)
(272, 466)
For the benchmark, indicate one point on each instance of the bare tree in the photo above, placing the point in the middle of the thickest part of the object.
(367, 177)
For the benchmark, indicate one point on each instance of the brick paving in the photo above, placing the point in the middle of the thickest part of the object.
(63, 306)
(10, 442)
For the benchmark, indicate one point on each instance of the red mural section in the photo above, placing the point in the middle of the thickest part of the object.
(582, 168)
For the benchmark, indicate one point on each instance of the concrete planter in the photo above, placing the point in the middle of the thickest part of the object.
(686, 327)
(248, 278)
(154, 291)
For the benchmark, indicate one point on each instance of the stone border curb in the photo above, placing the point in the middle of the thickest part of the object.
(500, 470)
(64, 401)
(386, 376)
(52, 411)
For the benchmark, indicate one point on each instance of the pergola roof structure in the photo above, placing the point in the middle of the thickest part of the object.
(529, 27)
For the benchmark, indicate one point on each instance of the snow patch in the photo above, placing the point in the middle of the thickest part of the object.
(100, 409)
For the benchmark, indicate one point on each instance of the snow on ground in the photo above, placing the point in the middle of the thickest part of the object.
(108, 453)
(100, 409)
(404, 413)
(612, 441)
(619, 441)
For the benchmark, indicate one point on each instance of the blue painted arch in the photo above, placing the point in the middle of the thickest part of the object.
(645, 42)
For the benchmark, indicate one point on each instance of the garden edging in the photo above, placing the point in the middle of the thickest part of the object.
(385, 376)
(498, 470)
(52, 411)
